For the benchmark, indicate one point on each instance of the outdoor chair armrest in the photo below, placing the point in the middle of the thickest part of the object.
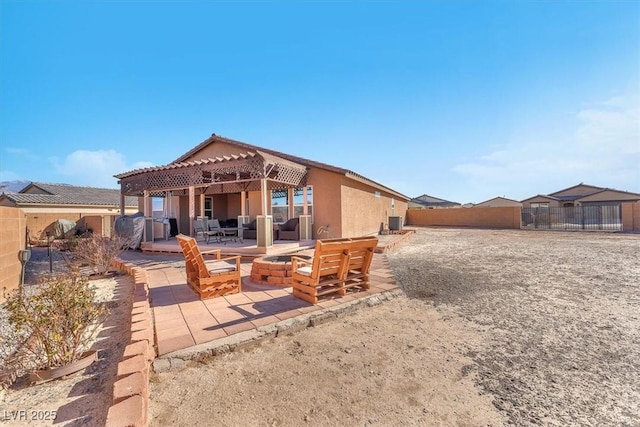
(302, 260)
(215, 252)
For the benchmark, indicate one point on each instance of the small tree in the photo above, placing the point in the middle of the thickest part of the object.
(98, 252)
(59, 321)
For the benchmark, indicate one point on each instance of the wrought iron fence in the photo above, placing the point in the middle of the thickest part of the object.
(597, 217)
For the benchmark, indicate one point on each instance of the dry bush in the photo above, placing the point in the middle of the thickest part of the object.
(58, 322)
(98, 252)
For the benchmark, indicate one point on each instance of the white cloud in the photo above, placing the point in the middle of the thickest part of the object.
(600, 146)
(94, 168)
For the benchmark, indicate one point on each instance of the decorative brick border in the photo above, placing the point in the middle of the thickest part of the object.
(131, 389)
(405, 235)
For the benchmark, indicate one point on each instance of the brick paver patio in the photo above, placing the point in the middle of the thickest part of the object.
(182, 320)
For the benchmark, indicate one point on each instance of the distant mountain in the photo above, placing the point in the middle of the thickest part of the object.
(13, 186)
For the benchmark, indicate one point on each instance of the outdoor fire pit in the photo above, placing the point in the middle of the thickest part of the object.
(273, 270)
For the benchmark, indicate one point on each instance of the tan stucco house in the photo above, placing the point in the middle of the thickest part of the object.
(233, 181)
(90, 208)
(581, 195)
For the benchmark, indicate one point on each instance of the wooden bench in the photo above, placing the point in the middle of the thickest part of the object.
(337, 265)
(209, 280)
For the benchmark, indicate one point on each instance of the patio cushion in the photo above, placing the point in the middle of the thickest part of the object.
(220, 267)
(306, 270)
(290, 225)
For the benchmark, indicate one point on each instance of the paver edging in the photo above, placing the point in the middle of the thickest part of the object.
(130, 399)
(404, 236)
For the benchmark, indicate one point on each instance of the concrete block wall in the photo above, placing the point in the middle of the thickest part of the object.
(13, 226)
(630, 216)
(39, 222)
(131, 390)
(498, 217)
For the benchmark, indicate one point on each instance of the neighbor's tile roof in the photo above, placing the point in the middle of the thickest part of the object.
(426, 200)
(64, 194)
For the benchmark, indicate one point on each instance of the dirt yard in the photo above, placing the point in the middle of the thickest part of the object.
(498, 328)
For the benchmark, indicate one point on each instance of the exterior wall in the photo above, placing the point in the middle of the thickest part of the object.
(38, 220)
(13, 226)
(501, 217)
(327, 202)
(363, 213)
(215, 150)
(630, 216)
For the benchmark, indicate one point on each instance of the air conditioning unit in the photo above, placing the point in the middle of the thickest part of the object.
(395, 223)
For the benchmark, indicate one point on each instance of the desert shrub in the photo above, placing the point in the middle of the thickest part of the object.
(58, 322)
(98, 252)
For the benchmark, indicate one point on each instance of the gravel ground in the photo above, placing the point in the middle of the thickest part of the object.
(561, 311)
(82, 398)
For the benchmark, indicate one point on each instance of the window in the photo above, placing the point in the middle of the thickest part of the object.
(208, 207)
(280, 205)
(300, 197)
(540, 205)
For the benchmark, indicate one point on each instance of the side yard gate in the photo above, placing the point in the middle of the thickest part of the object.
(585, 217)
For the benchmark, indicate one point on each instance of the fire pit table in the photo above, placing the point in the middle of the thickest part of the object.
(274, 270)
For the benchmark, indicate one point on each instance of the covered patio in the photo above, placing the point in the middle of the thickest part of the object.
(184, 185)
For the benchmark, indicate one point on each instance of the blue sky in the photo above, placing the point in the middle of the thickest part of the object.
(462, 100)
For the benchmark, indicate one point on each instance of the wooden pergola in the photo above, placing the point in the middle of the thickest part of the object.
(235, 173)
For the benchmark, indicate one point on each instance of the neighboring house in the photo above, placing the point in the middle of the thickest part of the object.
(581, 195)
(497, 202)
(238, 182)
(90, 208)
(429, 202)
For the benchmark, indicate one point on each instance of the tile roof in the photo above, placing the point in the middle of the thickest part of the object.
(64, 194)
(426, 200)
(301, 160)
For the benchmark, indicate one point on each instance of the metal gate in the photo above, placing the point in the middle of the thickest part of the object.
(586, 217)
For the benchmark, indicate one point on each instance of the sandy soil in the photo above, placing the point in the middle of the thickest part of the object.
(498, 328)
(82, 398)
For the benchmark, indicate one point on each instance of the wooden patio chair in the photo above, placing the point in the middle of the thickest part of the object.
(361, 250)
(324, 274)
(213, 279)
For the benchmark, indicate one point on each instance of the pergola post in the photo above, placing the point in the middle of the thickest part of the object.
(264, 222)
(122, 204)
(192, 208)
(145, 204)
